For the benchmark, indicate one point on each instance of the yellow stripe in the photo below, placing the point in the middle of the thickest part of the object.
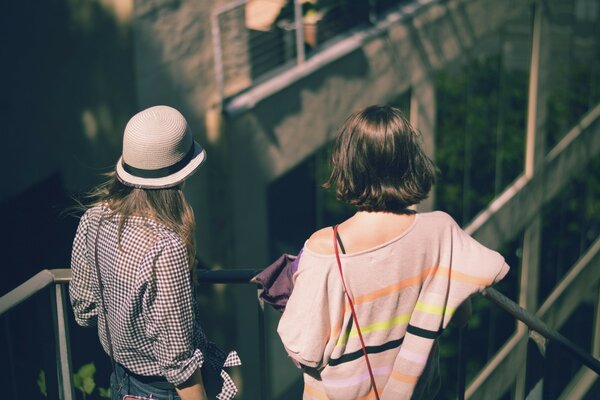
(434, 309)
(435, 271)
(377, 326)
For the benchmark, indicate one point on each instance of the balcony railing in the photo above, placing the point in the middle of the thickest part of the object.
(254, 40)
(60, 277)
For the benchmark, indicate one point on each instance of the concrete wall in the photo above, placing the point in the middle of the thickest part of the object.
(68, 88)
(67, 91)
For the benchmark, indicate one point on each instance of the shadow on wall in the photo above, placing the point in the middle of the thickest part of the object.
(70, 89)
(38, 235)
(68, 92)
(289, 101)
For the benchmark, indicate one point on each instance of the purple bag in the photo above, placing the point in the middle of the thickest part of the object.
(275, 281)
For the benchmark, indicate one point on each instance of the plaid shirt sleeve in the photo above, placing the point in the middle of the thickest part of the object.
(170, 312)
(82, 286)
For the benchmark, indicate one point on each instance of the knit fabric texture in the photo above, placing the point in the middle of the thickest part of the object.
(404, 291)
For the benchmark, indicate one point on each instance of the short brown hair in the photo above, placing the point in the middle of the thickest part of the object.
(377, 163)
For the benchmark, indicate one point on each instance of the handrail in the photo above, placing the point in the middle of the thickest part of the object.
(24, 291)
(46, 277)
(234, 275)
(59, 277)
(560, 303)
(539, 326)
(33, 285)
(244, 275)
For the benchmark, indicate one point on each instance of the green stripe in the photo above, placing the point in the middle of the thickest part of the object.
(377, 326)
(434, 309)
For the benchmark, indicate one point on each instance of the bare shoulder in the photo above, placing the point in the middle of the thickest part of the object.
(321, 241)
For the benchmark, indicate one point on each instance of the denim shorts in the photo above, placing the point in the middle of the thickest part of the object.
(122, 383)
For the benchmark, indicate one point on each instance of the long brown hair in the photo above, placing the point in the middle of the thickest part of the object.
(167, 206)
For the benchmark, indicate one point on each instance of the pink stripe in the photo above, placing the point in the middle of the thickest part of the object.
(413, 356)
(355, 380)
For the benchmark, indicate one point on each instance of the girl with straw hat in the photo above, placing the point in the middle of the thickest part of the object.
(132, 262)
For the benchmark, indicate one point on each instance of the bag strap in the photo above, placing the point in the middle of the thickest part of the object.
(101, 288)
(362, 342)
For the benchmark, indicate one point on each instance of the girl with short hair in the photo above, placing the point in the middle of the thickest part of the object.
(399, 274)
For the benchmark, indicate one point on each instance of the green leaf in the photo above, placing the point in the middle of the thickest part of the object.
(87, 370)
(77, 381)
(41, 382)
(88, 385)
(104, 392)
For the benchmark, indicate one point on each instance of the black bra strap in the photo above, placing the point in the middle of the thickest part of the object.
(339, 239)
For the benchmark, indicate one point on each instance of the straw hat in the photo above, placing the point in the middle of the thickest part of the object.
(158, 150)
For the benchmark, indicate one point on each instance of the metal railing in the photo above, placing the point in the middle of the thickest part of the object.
(59, 277)
(256, 39)
(60, 308)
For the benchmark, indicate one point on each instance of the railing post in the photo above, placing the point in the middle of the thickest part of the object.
(534, 158)
(63, 348)
(11, 364)
(460, 366)
(372, 11)
(218, 55)
(300, 56)
(262, 355)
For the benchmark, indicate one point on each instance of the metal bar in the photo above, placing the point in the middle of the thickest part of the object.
(218, 54)
(460, 366)
(11, 363)
(584, 268)
(585, 379)
(500, 372)
(539, 326)
(241, 275)
(262, 355)
(532, 103)
(300, 56)
(61, 275)
(63, 349)
(596, 327)
(534, 157)
(24, 291)
(580, 385)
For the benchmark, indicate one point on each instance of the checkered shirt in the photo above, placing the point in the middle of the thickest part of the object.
(151, 312)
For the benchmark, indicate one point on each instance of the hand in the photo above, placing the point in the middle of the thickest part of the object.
(193, 388)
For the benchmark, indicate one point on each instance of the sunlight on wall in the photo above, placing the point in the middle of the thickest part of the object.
(121, 9)
(83, 13)
(213, 121)
(99, 122)
(90, 126)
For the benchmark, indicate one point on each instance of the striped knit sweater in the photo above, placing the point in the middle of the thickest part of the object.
(404, 291)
